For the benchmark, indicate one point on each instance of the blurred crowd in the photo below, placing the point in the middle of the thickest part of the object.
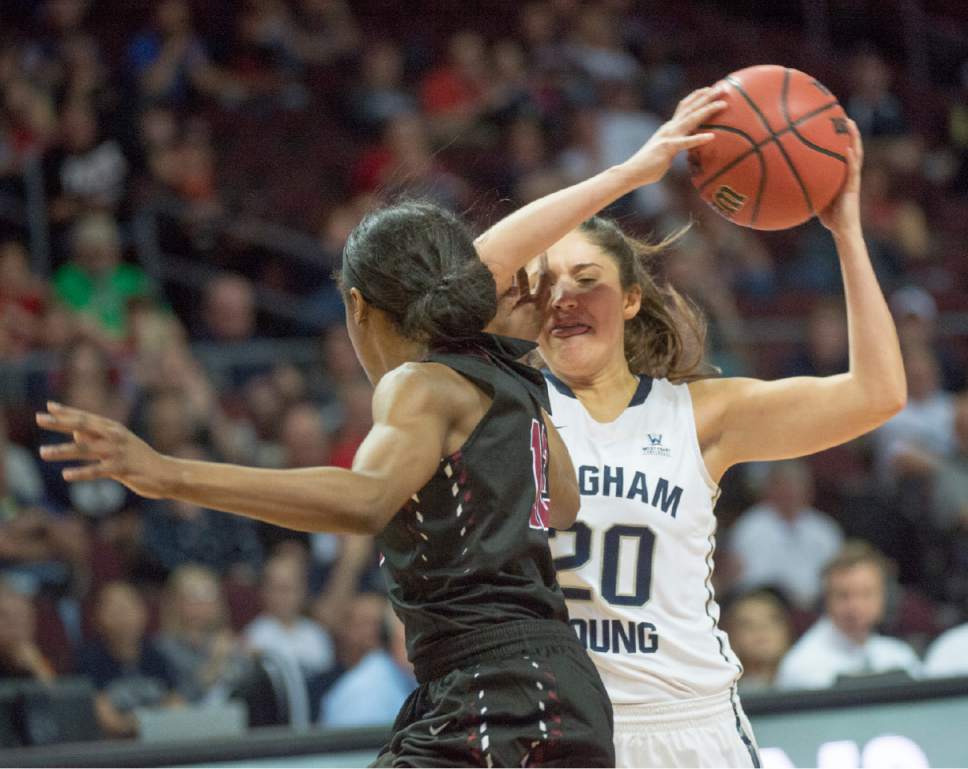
(303, 114)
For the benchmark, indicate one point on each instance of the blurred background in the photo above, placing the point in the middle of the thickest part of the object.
(177, 180)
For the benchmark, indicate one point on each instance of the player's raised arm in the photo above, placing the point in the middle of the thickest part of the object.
(517, 239)
(398, 456)
(750, 419)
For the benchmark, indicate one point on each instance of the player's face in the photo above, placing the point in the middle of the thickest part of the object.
(855, 600)
(584, 334)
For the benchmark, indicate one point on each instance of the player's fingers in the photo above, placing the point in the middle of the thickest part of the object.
(523, 285)
(693, 140)
(688, 101)
(856, 142)
(63, 452)
(65, 419)
(695, 117)
(542, 290)
(104, 469)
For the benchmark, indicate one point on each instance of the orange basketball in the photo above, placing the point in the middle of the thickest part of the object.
(780, 152)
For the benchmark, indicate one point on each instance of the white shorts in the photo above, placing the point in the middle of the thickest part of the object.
(701, 732)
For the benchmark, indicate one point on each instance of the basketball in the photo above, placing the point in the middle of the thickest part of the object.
(780, 152)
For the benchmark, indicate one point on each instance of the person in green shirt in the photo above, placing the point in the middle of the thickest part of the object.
(96, 282)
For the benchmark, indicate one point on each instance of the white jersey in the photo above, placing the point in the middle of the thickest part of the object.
(636, 566)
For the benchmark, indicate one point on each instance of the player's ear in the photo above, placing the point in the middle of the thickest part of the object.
(632, 302)
(358, 307)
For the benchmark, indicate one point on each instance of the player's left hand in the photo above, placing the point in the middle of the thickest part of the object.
(106, 448)
(522, 310)
(843, 213)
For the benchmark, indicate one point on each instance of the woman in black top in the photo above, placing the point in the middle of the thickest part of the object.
(459, 477)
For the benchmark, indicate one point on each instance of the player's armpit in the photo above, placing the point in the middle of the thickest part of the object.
(562, 480)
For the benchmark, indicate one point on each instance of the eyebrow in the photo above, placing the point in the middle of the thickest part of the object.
(583, 265)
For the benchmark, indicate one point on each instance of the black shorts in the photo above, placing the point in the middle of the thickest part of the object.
(517, 694)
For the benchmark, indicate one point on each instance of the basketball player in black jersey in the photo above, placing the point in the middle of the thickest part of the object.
(459, 477)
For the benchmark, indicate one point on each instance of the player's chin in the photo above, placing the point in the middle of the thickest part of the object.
(574, 355)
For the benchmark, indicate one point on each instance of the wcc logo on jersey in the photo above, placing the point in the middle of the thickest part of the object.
(655, 447)
(541, 509)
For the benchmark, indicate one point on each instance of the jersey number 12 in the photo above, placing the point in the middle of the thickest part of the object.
(642, 538)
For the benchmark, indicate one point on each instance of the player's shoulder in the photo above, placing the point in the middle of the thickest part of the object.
(420, 386)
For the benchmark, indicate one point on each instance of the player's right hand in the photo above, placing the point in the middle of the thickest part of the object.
(106, 448)
(523, 310)
(651, 163)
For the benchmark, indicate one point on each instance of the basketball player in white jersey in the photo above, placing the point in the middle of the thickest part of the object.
(650, 438)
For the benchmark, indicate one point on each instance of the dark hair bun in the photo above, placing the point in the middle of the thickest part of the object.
(417, 262)
(461, 303)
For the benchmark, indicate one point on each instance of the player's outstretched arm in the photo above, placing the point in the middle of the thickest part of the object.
(398, 456)
(743, 420)
(517, 239)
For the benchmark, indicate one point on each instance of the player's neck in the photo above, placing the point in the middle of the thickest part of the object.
(607, 393)
(392, 352)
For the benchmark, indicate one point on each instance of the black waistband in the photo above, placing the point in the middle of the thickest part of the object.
(498, 642)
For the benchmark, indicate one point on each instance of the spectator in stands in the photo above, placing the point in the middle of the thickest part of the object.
(452, 95)
(916, 315)
(20, 657)
(282, 627)
(359, 626)
(177, 533)
(372, 691)
(326, 32)
(229, 309)
(760, 632)
(196, 640)
(877, 111)
(96, 283)
(381, 94)
(784, 541)
(125, 667)
(87, 171)
(950, 507)
(404, 163)
(169, 61)
(23, 303)
(948, 654)
(20, 479)
(596, 47)
(39, 549)
(844, 642)
(356, 420)
(305, 439)
(912, 443)
(695, 273)
(538, 29)
(825, 350)
(305, 442)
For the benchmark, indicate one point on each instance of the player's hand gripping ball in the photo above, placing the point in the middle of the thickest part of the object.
(780, 152)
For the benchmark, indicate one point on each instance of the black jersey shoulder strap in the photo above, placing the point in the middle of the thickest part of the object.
(473, 356)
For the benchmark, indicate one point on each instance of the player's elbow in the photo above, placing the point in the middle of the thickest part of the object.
(891, 399)
(368, 511)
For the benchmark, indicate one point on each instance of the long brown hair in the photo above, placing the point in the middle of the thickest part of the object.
(667, 337)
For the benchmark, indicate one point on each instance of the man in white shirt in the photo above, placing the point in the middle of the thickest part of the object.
(948, 655)
(843, 641)
(783, 541)
(281, 627)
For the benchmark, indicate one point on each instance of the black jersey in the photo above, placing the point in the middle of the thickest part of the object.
(470, 549)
